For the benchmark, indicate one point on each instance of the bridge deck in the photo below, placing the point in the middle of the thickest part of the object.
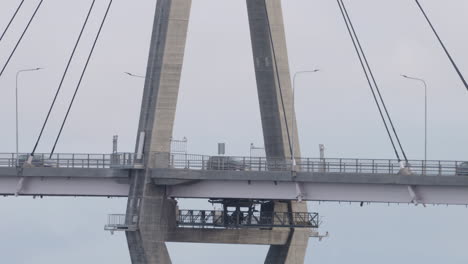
(196, 176)
(203, 162)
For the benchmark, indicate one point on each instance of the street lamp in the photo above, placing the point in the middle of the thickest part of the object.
(134, 75)
(292, 113)
(141, 134)
(425, 111)
(16, 105)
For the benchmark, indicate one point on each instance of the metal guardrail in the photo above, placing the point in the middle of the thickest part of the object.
(203, 162)
(117, 222)
(331, 165)
(245, 219)
(179, 145)
(61, 160)
(230, 219)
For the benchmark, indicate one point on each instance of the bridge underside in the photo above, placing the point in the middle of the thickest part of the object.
(333, 192)
(231, 236)
(64, 182)
(336, 187)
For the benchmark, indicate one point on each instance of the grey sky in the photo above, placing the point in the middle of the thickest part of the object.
(218, 95)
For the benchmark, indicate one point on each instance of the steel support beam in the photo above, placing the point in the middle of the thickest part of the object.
(451, 190)
(345, 187)
(332, 192)
(181, 176)
(54, 186)
(64, 182)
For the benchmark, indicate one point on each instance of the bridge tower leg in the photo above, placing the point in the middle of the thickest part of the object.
(148, 206)
(276, 108)
(147, 203)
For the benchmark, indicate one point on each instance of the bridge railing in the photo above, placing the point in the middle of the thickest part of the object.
(117, 222)
(245, 219)
(73, 160)
(225, 219)
(331, 165)
(203, 162)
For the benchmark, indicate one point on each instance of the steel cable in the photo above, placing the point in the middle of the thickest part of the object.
(443, 46)
(81, 77)
(375, 83)
(63, 77)
(11, 20)
(21, 38)
(367, 72)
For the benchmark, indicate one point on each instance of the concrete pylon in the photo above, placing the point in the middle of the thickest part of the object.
(276, 108)
(148, 206)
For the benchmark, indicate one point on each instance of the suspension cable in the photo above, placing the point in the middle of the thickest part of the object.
(63, 77)
(21, 38)
(443, 46)
(11, 20)
(363, 65)
(374, 81)
(278, 79)
(81, 77)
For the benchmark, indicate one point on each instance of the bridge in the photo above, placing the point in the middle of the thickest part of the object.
(201, 176)
(263, 199)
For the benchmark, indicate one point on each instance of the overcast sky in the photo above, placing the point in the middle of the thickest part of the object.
(218, 103)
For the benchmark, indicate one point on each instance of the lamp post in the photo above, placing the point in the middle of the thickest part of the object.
(134, 75)
(253, 148)
(293, 159)
(16, 106)
(141, 134)
(425, 111)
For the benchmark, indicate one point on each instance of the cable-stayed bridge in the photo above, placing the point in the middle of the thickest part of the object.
(263, 198)
(200, 176)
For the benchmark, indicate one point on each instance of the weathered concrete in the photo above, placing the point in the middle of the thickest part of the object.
(229, 236)
(271, 75)
(147, 203)
(276, 106)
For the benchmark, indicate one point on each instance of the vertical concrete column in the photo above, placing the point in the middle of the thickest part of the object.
(295, 250)
(272, 75)
(163, 74)
(276, 108)
(148, 205)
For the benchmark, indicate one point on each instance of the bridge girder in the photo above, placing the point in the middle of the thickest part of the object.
(333, 187)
